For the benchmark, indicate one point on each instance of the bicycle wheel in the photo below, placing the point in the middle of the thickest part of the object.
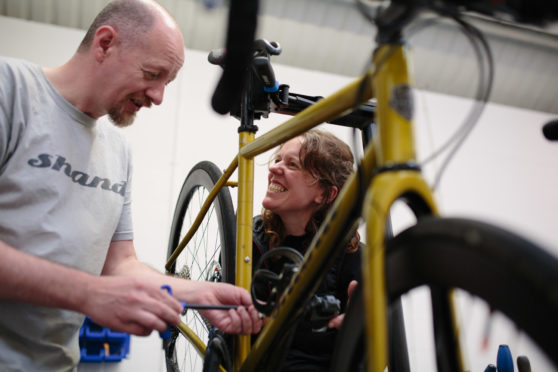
(509, 273)
(210, 254)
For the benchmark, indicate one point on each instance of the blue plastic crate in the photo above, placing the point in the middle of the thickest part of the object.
(99, 344)
(93, 331)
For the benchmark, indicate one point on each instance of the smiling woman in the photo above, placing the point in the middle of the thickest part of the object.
(293, 193)
(305, 176)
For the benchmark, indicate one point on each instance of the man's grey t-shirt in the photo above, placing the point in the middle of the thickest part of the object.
(64, 196)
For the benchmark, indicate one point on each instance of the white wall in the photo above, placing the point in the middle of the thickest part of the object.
(491, 177)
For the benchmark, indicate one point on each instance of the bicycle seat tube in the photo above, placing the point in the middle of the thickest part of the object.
(243, 272)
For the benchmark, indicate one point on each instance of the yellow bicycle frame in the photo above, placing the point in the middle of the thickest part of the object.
(388, 80)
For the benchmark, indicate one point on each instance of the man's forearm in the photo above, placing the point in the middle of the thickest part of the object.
(27, 278)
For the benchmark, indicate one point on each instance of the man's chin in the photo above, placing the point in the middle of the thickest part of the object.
(121, 120)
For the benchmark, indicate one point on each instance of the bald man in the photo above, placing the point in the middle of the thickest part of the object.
(66, 242)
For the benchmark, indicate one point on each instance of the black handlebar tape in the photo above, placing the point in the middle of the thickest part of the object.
(243, 17)
(550, 130)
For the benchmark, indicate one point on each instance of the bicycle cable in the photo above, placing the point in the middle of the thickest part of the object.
(485, 81)
(485, 78)
(367, 11)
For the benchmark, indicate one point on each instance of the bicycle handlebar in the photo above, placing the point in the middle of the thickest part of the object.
(242, 23)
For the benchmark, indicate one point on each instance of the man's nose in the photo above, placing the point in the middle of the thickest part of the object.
(156, 93)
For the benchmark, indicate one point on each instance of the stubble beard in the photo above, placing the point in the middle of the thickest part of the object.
(122, 118)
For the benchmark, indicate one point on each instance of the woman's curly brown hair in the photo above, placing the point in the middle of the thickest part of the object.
(330, 161)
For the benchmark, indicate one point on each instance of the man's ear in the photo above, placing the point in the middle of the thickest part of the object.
(103, 42)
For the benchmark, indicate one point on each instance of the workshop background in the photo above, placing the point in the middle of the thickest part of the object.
(505, 173)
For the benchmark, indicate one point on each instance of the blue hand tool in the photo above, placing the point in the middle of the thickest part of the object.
(504, 360)
(166, 334)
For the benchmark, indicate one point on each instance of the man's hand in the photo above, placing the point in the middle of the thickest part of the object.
(338, 320)
(139, 287)
(139, 306)
(127, 297)
(120, 302)
(131, 305)
(241, 320)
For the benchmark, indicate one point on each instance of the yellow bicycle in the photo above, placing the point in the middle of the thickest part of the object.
(209, 241)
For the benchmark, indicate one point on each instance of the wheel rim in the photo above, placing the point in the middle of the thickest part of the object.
(198, 261)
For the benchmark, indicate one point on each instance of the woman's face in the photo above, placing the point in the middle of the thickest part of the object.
(292, 193)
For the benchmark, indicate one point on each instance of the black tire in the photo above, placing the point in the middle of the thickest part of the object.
(512, 275)
(210, 254)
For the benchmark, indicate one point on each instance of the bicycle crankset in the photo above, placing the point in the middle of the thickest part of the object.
(272, 275)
